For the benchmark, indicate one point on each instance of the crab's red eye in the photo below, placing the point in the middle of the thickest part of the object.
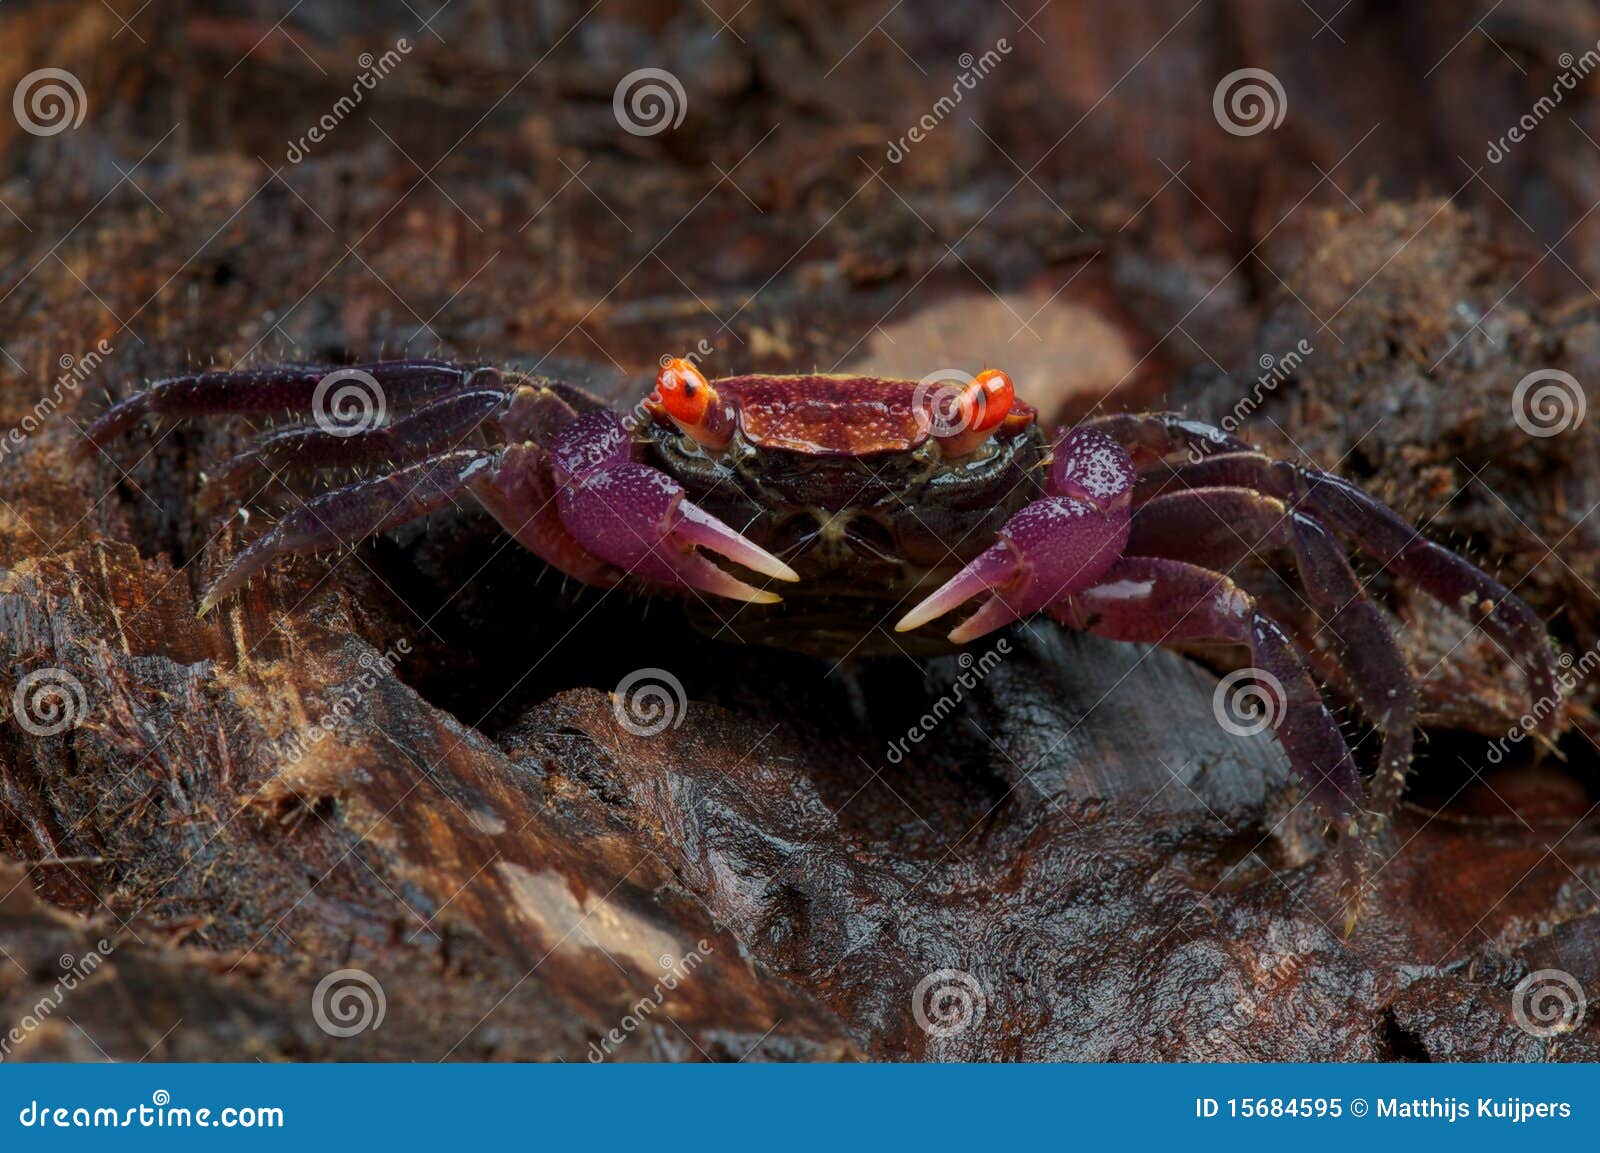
(983, 406)
(684, 391)
(688, 400)
(987, 400)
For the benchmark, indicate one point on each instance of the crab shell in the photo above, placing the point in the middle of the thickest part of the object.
(845, 478)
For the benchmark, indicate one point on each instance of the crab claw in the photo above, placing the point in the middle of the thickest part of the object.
(641, 520)
(1052, 548)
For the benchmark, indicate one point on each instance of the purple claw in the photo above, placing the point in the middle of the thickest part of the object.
(639, 519)
(1050, 549)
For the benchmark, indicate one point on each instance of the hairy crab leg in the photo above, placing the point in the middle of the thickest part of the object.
(282, 388)
(1051, 547)
(440, 424)
(346, 515)
(1220, 527)
(1153, 600)
(640, 519)
(1364, 522)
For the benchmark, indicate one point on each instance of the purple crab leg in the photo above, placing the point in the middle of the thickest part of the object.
(346, 515)
(1363, 521)
(1449, 579)
(441, 424)
(1050, 547)
(641, 520)
(1151, 600)
(281, 388)
(1219, 527)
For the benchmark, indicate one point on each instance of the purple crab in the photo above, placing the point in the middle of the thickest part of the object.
(882, 510)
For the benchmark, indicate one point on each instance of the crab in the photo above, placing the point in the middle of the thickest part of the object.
(858, 514)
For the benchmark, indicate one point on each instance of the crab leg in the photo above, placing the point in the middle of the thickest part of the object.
(282, 388)
(1050, 548)
(439, 424)
(1221, 526)
(1152, 600)
(641, 520)
(346, 515)
(1363, 521)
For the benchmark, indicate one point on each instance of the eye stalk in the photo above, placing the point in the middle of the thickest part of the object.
(983, 406)
(685, 397)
